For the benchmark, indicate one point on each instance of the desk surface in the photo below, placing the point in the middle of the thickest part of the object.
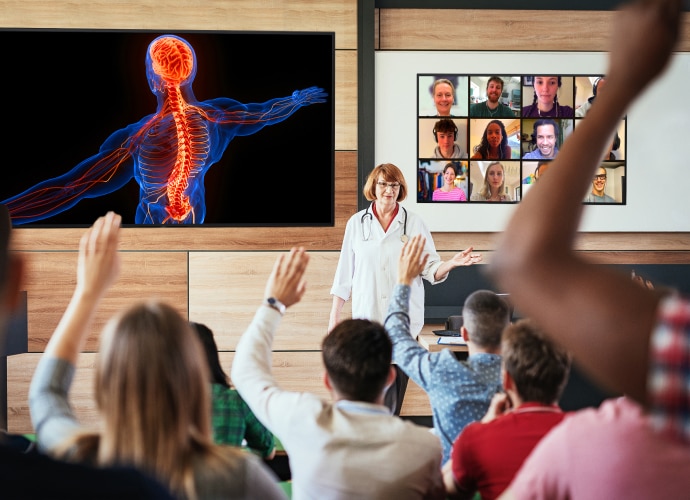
(429, 341)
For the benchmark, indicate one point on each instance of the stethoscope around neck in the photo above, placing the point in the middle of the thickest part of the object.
(369, 217)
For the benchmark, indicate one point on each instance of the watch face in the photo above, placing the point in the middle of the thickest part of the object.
(276, 304)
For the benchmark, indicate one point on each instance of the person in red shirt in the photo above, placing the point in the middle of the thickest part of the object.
(487, 454)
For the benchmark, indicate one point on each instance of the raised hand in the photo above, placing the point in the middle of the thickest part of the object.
(644, 35)
(98, 264)
(412, 259)
(286, 282)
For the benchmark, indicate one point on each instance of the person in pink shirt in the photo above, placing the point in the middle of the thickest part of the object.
(449, 191)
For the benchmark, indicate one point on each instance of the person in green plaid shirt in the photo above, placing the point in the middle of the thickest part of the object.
(233, 421)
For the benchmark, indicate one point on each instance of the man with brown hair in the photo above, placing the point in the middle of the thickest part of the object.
(350, 446)
(487, 454)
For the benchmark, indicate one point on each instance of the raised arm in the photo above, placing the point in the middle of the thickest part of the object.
(251, 369)
(600, 315)
(97, 268)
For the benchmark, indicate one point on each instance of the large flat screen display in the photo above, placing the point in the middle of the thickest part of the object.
(491, 153)
(168, 128)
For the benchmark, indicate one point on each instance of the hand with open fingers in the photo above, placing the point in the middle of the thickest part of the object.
(286, 282)
(98, 263)
(412, 259)
(467, 257)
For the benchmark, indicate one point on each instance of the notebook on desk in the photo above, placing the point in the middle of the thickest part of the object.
(451, 341)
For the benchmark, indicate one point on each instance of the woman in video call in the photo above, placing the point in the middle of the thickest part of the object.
(444, 96)
(494, 143)
(545, 102)
(494, 185)
(449, 191)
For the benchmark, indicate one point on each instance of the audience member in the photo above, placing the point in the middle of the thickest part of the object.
(374, 235)
(597, 194)
(493, 188)
(350, 447)
(598, 85)
(629, 338)
(494, 143)
(487, 454)
(545, 102)
(446, 133)
(492, 107)
(151, 388)
(459, 391)
(449, 191)
(34, 475)
(233, 422)
(546, 138)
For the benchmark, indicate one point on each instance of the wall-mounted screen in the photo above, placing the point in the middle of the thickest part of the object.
(473, 131)
(169, 128)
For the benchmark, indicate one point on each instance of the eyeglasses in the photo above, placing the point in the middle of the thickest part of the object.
(600, 177)
(392, 185)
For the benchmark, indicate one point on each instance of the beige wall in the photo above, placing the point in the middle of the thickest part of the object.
(217, 275)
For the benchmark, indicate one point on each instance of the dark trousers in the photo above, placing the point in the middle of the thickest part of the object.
(396, 392)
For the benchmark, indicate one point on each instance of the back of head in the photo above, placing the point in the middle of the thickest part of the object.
(537, 365)
(485, 314)
(208, 342)
(357, 355)
(153, 392)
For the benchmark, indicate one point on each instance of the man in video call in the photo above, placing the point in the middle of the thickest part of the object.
(597, 194)
(492, 107)
(546, 136)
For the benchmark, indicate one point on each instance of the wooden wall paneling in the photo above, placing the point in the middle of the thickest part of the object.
(51, 278)
(339, 16)
(482, 29)
(20, 369)
(226, 288)
(601, 242)
(345, 100)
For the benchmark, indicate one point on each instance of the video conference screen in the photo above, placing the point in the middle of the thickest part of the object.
(489, 138)
(168, 128)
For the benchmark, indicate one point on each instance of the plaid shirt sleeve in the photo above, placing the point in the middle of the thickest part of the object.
(669, 372)
(234, 422)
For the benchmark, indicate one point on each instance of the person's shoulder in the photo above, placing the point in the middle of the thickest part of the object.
(33, 475)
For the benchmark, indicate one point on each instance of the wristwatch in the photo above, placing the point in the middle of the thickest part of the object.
(275, 304)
